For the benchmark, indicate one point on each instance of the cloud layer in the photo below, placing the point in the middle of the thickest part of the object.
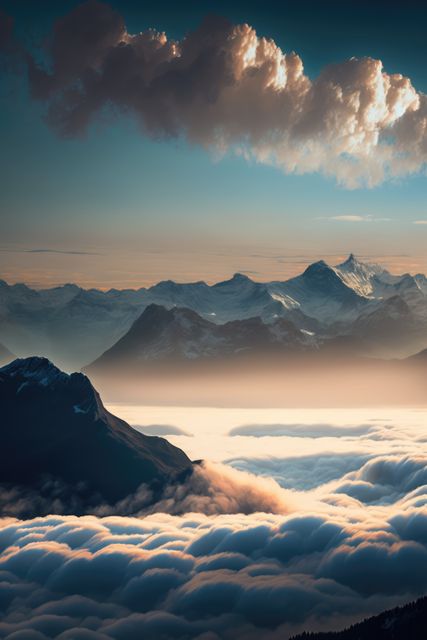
(226, 88)
(349, 540)
(259, 576)
(303, 430)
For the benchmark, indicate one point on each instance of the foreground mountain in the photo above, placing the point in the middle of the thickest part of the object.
(55, 429)
(402, 623)
(74, 326)
(179, 334)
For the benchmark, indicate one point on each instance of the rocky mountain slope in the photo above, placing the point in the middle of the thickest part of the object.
(55, 431)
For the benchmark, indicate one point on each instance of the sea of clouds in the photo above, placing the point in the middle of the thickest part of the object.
(293, 560)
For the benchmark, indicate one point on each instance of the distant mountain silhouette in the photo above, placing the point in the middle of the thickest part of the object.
(179, 334)
(55, 425)
(402, 623)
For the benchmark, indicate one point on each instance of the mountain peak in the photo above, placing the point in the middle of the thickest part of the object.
(350, 263)
(317, 267)
(351, 259)
(240, 276)
(35, 369)
(238, 279)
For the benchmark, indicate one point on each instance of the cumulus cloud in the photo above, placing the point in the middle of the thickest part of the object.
(227, 88)
(226, 572)
(385, 479)
(195, 576)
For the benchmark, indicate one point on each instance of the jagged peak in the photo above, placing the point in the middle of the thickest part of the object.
(350, 260)
(35, 369)
(351, 263)
(41, 370)
(354, 264)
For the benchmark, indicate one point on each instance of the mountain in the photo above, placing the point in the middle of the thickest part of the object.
(238, 298)
(74, 326)
(320, 292)
(55, 426)
(365, 279)
(180, 334)
(407, 622)
(69, 324)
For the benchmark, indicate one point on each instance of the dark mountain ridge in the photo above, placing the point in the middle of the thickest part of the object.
(54, 424)
(402, 623)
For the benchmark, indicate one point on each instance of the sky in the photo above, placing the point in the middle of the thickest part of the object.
(192, 166)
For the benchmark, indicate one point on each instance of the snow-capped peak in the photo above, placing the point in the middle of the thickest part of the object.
(35, 369)
(360, 276)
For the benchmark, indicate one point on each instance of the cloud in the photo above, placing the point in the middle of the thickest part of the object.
(228, 89)
(217, 488)
(302, 473)
(355, 218)
(419, 222)
(322, 561)
(211, 489)
(350, 218)
(385, 479)
(302, 430)
(161, 430)
(70, 253)
(259, 576)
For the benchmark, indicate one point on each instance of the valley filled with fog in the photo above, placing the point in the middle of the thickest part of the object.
(298, 519)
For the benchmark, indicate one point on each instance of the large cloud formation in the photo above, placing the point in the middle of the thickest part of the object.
(340, 555)
(198, 577)
(226, 88)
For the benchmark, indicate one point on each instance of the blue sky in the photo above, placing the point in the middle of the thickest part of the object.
(117, 194)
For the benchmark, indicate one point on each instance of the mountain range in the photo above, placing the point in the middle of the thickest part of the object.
(385, 313)
(179, 334)
(58, 440)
